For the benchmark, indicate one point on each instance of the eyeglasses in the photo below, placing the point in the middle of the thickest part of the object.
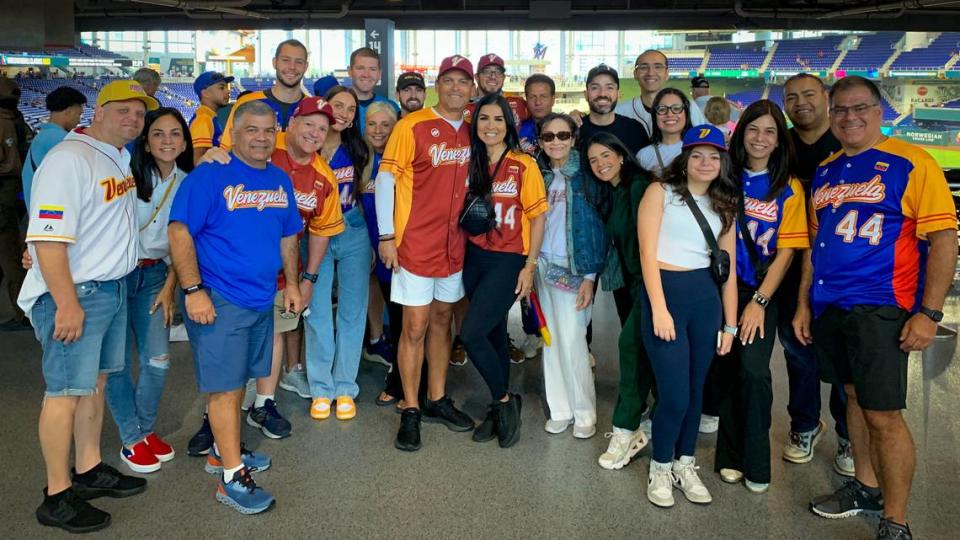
(678, 108)
(487, 72)
(549, 136)
(858, 110)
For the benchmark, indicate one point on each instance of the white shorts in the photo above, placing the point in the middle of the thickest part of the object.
(409, 289)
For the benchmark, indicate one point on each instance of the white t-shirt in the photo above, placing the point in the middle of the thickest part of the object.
(154, 243)
(635, 109)
(648, 157)
(555, 233)
(83, 195)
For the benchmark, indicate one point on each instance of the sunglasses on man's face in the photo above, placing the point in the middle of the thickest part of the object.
(549, 136)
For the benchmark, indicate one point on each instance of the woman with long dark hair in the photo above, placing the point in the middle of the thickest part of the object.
(672, 110)
(616, 183)
(689, 306)
(333, 357)
(772, 224)
(162, 157)
(500, 263)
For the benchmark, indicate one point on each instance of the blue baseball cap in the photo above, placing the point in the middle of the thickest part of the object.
(704, 134)
(208, 79)
(323, 85)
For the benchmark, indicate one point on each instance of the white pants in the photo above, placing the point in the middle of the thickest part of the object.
(567, 377)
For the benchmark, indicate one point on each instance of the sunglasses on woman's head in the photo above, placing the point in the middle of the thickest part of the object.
(549, 136)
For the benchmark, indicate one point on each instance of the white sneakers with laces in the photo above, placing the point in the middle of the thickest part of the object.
(660, 484)
(623, 446)
(685, 478)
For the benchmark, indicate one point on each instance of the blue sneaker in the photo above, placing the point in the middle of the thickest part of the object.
(254, 461)
(268, 420)
(380, 352)
(243, 494)
(201, 443)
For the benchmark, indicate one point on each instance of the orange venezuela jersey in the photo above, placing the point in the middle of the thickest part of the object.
(519, 196)
(314, 187)
(429, 161)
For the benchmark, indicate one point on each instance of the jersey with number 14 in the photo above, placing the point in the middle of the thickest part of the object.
(870, 214)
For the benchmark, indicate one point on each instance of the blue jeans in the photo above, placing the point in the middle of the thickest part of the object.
(803, 404)
(134, 405)
(333, 358)
(72, 369)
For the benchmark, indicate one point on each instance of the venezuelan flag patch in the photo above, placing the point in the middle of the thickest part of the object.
(51, 212)
(881, 166)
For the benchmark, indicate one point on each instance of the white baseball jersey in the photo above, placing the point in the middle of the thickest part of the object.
(635, 109)
(83, 195)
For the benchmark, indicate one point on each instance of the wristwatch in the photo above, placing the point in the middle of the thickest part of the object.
(193, 288)
(760, 299)
(935, 316)
(312, 278)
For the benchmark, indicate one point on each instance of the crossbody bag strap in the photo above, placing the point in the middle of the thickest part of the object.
(702, 221)
(752, 249)
(656, 150)
(156, 211)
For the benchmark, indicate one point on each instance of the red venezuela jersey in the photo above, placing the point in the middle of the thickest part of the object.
(870, 214)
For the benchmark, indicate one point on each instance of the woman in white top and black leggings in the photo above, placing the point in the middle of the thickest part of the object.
(684, 322)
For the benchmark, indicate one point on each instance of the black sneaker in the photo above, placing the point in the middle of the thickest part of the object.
(268, 420)
(893, 531)
(508, 421)
(408, 438)
(850, 500)
(487, 430)
(443, 412)
(202, 441)
(71, 513)
(105, 481)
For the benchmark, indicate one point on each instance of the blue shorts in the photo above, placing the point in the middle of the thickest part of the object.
(72, 369)
(236, 347)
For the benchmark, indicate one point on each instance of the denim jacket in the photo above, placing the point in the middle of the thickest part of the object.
(587, 240)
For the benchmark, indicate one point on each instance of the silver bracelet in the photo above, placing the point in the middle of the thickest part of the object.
(732, 330)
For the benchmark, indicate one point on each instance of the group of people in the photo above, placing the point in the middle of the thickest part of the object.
(712, 244)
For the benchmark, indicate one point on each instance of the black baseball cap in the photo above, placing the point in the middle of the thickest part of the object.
(410, 78)
(603, 69)
(699, 82)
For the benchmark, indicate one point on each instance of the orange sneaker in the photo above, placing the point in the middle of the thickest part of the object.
(320, 408)
(346, 408)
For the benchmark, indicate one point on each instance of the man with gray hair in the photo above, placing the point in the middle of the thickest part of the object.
(148, 79)
(233, 227)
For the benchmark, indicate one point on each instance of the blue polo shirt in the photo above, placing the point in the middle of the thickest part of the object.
(237, 215)
(50, 135)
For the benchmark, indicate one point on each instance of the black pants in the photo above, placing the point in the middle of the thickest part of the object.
(743, 442)
(624, 302)
(489, 279)
(393, 385)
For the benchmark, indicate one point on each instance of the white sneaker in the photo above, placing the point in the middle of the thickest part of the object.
(686, 478)
(584, 432)
(178, 333)
(731, 476)
(295, 381)
(800, 447)
(660, 485)
(531, 346)
(756, 487)
(843, 462)
(709, 424)
(623, 446)
(593, 360)
(557, 426)
(249, 395)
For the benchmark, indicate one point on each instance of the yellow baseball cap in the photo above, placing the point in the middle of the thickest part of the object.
(123, 90)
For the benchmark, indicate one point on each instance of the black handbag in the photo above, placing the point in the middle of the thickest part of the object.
(719, 259)
(760, 268)
(478, 216)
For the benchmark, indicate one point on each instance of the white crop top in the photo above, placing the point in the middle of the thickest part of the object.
(681, 242)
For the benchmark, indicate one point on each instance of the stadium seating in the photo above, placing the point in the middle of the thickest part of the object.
(931, 57)
(806, 54)
(872, 52)
(740, 56)
(745, 98)
(681, 64)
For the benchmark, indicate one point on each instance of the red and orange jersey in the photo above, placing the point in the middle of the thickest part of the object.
(870, 214)
(429, 160)
(518, 195)
(315, 190)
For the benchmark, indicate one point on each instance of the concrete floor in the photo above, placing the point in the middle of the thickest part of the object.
(345, 479)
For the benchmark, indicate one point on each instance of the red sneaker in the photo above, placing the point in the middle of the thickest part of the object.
(139, 458)
(160, 448)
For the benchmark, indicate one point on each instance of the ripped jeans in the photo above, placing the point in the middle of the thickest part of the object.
(134, 406)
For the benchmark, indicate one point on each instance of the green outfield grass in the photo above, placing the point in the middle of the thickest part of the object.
(947, 158)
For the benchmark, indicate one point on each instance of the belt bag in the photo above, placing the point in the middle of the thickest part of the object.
(719, 259)
(560, 277)
(478, 216)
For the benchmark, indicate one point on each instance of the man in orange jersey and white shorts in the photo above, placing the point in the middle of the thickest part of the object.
(419, 194)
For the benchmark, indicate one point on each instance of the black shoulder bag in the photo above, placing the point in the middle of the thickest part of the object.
(719, 259)
(759, 267)
(478, 216)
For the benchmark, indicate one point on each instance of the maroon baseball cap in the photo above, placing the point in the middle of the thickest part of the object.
(456, 62)
(490, 60)
(314, 105)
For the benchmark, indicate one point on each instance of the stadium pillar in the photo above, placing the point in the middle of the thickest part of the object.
(31, 24)
(379, 37)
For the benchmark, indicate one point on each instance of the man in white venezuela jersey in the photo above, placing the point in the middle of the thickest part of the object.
(83, 237)
(879, 269)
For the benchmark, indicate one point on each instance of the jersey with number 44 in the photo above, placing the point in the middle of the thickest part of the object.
(870, 214)
(518, 195)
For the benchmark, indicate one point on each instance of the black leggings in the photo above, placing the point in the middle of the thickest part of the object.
(489, 278)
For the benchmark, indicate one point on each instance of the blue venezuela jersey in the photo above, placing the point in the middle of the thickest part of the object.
(870, 213)
(776, 224)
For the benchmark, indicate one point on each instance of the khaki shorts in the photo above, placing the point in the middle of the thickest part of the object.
(281, 325)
